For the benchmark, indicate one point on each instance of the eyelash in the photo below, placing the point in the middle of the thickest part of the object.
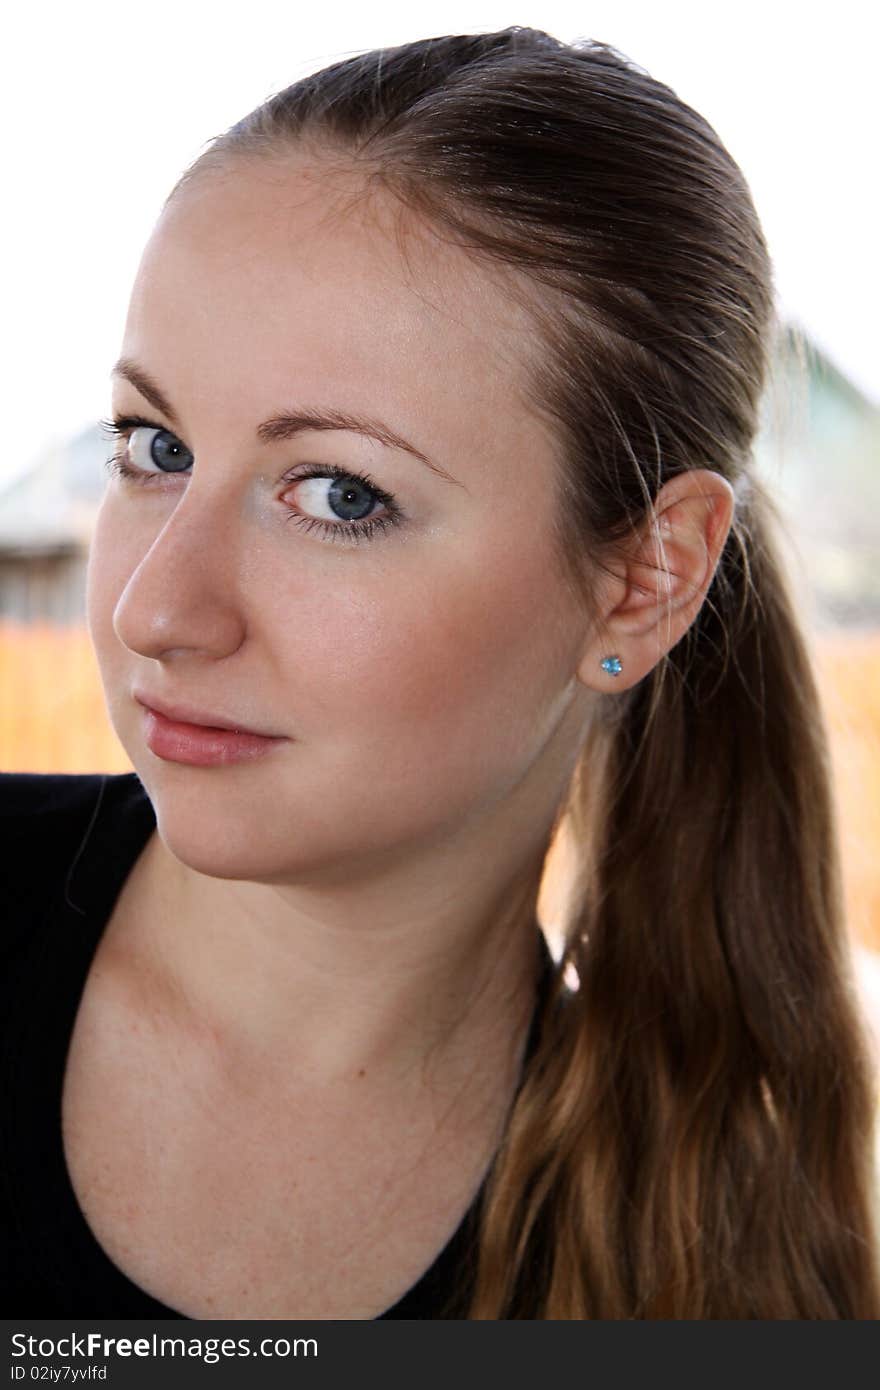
(121, 427)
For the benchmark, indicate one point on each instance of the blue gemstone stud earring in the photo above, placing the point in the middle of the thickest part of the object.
(612, 665)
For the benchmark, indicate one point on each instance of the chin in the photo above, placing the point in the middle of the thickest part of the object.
(219, 844)
(241, 824)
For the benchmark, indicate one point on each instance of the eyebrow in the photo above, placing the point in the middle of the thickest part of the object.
(286, 424)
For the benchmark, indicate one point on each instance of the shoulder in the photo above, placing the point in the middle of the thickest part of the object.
(41, 813)
(61, 798)
(43, 804)
(42, 795)
(45, 818)
(52, 807)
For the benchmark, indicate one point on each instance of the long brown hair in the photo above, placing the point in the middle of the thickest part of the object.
(694, 1135)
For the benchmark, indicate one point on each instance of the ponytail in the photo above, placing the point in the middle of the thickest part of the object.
(695, 1133)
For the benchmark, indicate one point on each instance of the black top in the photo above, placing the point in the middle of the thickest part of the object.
(69, 843)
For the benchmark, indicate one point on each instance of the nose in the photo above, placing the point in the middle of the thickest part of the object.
(184, 597)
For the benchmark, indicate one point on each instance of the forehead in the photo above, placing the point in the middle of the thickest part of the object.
(269, 277)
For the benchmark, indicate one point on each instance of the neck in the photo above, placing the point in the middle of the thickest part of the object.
(324, 986)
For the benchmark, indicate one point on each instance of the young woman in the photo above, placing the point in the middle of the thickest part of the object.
(432, 530)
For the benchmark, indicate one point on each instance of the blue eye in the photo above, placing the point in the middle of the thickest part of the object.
(148, 445)
(348, 498)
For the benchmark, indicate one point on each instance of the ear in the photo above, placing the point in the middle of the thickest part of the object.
(654, 589)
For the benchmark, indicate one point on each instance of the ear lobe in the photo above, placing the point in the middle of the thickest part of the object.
(662, 578)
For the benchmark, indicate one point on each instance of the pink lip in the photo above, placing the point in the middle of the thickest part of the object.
(188, 714)
(195, 741)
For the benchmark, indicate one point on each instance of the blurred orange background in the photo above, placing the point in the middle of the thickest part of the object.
(53, 719)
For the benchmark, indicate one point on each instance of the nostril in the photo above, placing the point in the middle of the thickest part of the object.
(160, 617)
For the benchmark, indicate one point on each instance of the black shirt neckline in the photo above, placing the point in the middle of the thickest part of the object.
(74, 926)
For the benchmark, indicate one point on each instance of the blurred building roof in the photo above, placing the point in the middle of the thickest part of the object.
(54, 504)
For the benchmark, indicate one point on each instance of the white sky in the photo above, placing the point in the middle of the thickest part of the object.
(102, 105)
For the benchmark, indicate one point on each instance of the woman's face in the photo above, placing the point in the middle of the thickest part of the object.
(410, 637)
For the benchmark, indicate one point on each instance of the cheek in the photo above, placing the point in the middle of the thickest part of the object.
(417, 687)
(454, 673)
